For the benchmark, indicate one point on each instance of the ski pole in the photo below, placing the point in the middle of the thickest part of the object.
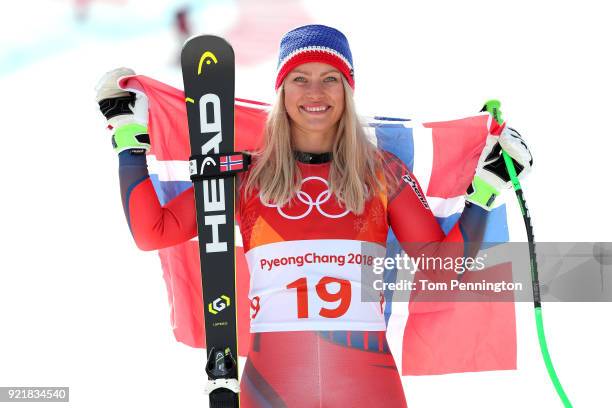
(493, 107)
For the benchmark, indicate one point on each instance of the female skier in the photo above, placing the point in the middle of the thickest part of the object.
(317, 195)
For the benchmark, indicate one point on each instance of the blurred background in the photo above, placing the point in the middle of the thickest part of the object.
(81, 306)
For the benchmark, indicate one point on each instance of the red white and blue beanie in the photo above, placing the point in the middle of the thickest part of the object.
(314, 43)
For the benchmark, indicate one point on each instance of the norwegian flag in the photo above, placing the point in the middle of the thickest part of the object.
(425, 338)
(231, 163)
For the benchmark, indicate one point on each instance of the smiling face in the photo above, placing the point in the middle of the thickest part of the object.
(314, 100)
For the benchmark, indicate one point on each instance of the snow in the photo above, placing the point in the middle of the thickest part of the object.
(81, 306)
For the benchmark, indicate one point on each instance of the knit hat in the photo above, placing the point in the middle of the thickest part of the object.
(314, 43)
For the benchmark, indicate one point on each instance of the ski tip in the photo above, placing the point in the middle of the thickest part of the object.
(204, 51)
(199, 39)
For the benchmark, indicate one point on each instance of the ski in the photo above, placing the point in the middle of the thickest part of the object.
(208, 75)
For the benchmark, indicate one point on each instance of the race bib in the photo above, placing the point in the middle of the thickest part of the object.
(313, 285)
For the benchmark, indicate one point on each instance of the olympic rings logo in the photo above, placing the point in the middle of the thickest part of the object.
(322, 198)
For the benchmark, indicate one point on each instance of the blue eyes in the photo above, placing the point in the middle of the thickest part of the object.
(326, 79)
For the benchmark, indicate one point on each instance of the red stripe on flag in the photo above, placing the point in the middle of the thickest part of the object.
(456, 148)
(454, 337)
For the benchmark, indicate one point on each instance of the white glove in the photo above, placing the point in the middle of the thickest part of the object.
(491, 173)
(126, 113)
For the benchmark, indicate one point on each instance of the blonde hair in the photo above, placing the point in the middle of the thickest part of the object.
(354, 174)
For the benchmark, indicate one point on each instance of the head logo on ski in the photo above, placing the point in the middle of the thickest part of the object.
(207, 57)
